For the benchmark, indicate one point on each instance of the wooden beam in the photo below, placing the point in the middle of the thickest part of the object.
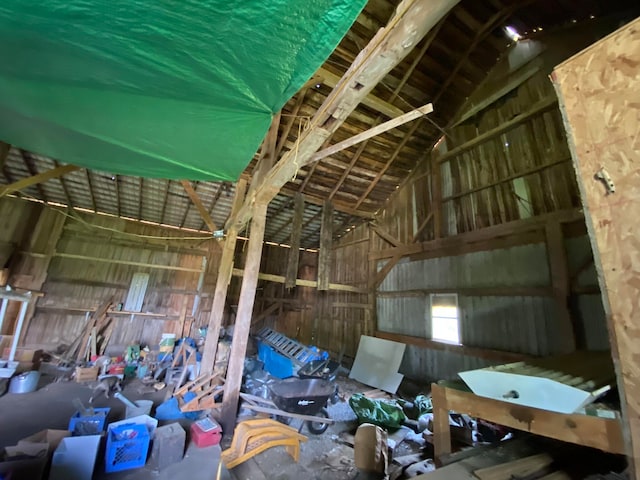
(376, 103)
(242, 327)
(472, 292)
(195, 198)
(294, 252)
(486, 353)
(422, 226)
(384, 271)
(523, 173)
(4, 153)
(265, 313)
(540, 107)
(338, 205)
(291, 120)
(514, 80)
(269, 277)
(392, 158)
(410, 23)
(484, 234)
(225, 270)
(124, 262)
(90, 187)
(372, 132)
(386, 236)
(324, 254)
(584, 265)
(29, 163)
(557, 257)
(600, 433)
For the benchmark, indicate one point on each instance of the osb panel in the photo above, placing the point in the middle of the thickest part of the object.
(600, 91)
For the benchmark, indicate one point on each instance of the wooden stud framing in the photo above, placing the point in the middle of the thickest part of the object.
(269, 277)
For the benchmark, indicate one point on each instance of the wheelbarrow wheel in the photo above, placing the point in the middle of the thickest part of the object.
(318, 427)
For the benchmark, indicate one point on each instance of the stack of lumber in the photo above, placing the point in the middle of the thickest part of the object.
(92, 340)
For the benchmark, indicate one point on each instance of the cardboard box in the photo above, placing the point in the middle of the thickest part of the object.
(52, 437)
(23, 354)
(25, 461)
(87, 374)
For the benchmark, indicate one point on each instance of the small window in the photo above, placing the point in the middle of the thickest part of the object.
(445, 326)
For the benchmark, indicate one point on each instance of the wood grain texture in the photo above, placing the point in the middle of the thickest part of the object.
(602, 433)
(600, 98)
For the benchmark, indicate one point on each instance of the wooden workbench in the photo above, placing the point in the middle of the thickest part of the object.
(602, 433)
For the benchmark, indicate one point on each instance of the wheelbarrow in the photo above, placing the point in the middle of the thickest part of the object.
(304, 399)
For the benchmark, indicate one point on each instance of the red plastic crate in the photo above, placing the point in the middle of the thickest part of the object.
(206, 433)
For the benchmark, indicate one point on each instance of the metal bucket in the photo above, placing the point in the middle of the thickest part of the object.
(26, 382)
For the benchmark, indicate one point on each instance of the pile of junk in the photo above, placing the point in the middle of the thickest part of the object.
(290, 381)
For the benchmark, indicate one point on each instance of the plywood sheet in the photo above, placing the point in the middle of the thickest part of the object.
(599, 92)
(377, 362)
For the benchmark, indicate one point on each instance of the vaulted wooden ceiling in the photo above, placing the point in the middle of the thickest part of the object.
(443, 69)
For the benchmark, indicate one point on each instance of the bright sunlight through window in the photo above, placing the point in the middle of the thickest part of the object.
(445, 326)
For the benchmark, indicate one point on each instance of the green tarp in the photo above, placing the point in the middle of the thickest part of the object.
(158, 88)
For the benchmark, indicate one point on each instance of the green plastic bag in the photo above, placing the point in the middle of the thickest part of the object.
(383, 414)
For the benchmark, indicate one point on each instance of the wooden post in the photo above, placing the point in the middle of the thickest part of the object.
(222, 283)
(559, 270)
(598, 91)
(294, 252)
(219, 300)
(436, 196)
(324, 255)
(243, 320)
(441, 427)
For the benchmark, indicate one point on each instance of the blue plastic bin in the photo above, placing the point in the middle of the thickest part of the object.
(127, 447)
(89, 425)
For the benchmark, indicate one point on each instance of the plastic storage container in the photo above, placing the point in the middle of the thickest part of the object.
(127, 447)
(206, 432)
(26, 382)
(89, 424)
(143, 407)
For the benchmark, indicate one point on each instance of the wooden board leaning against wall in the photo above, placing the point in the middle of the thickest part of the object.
(600, 94)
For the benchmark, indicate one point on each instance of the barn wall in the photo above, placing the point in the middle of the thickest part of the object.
(93, 260)
(333, 320)
(504, 162)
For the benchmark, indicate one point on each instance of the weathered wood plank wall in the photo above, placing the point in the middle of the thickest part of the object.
(94, 260)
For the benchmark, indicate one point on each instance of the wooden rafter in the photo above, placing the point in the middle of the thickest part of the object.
(331, 79)
(197, 201)
(410, 23)
(116, 182)
(36, 179)
(291, 120)
(384, 169)
(4, 153)
(64, 186)
(423, 50)
(214, 202)
(90, 187)
(164, 201)
(141, 198)
(372, 132)
(29, 164)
